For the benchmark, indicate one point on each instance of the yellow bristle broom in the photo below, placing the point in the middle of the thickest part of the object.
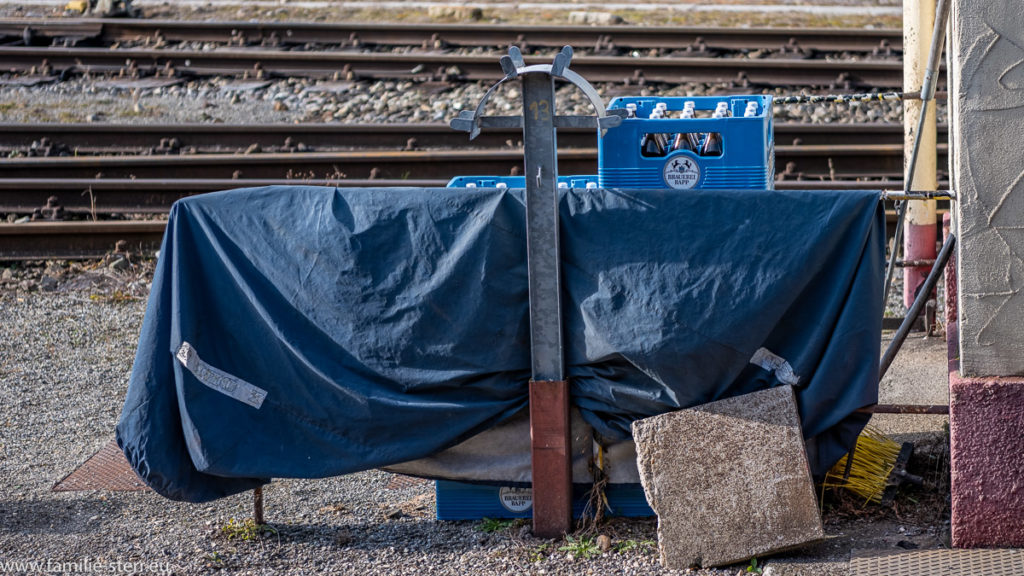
(874, 468)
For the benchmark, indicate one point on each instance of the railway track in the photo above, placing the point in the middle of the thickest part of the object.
(108, 196)
(436, 66)
(139, 184)
(85, 239)
(809, 162)
(437, 36)
(76, 240)
(164, 52)
(95, 139)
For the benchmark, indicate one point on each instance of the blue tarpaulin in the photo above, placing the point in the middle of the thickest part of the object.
(308, 332)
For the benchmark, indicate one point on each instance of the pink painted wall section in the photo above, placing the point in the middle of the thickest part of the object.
(987, 461)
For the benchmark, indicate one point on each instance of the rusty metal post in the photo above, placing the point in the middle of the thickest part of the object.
(550, 458)
(257, 505)
(549, 393)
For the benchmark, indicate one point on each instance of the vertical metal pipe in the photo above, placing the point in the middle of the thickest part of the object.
(542, 226)
(549, 393)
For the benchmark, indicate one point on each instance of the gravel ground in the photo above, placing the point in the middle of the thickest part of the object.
(299, 100)
(66, 359)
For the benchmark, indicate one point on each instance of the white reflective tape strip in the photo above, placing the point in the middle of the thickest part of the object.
(774, 363)
(220, 380)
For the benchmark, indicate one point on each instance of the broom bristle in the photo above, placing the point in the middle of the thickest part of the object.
(873, 461)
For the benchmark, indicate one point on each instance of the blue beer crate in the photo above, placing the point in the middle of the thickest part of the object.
(515, 181)
(746, 159)
(464, 501)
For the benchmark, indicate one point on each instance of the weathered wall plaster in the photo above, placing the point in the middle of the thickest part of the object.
(987, 164)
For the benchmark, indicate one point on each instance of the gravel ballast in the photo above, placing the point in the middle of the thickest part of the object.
(383, 101)
(66, 362)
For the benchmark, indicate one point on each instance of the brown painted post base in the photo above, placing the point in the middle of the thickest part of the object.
(552, 473)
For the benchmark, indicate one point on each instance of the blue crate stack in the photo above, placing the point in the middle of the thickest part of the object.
(463, 501)
(746, 161)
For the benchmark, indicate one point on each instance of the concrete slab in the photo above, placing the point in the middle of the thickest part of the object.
(28, 80)
(330, 87)
(729, 480)
(137, 83)
(918, 375)
(244, 85)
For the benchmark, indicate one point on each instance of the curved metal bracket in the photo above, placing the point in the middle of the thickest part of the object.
(514, 66)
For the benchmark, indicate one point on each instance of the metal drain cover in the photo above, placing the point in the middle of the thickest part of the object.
(105, 470)
(937, 562)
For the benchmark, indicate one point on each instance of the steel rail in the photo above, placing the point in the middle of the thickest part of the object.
(108, 196)
(832, 162)
(437, 66)
(318, 136)
(76, 240)
(459, 35)
(331, 165)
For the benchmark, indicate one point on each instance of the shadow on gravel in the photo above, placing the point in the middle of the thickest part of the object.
(421, 535)
(58, 516)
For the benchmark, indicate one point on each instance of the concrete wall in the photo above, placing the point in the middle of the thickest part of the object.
(987, 170)
(987, 166)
